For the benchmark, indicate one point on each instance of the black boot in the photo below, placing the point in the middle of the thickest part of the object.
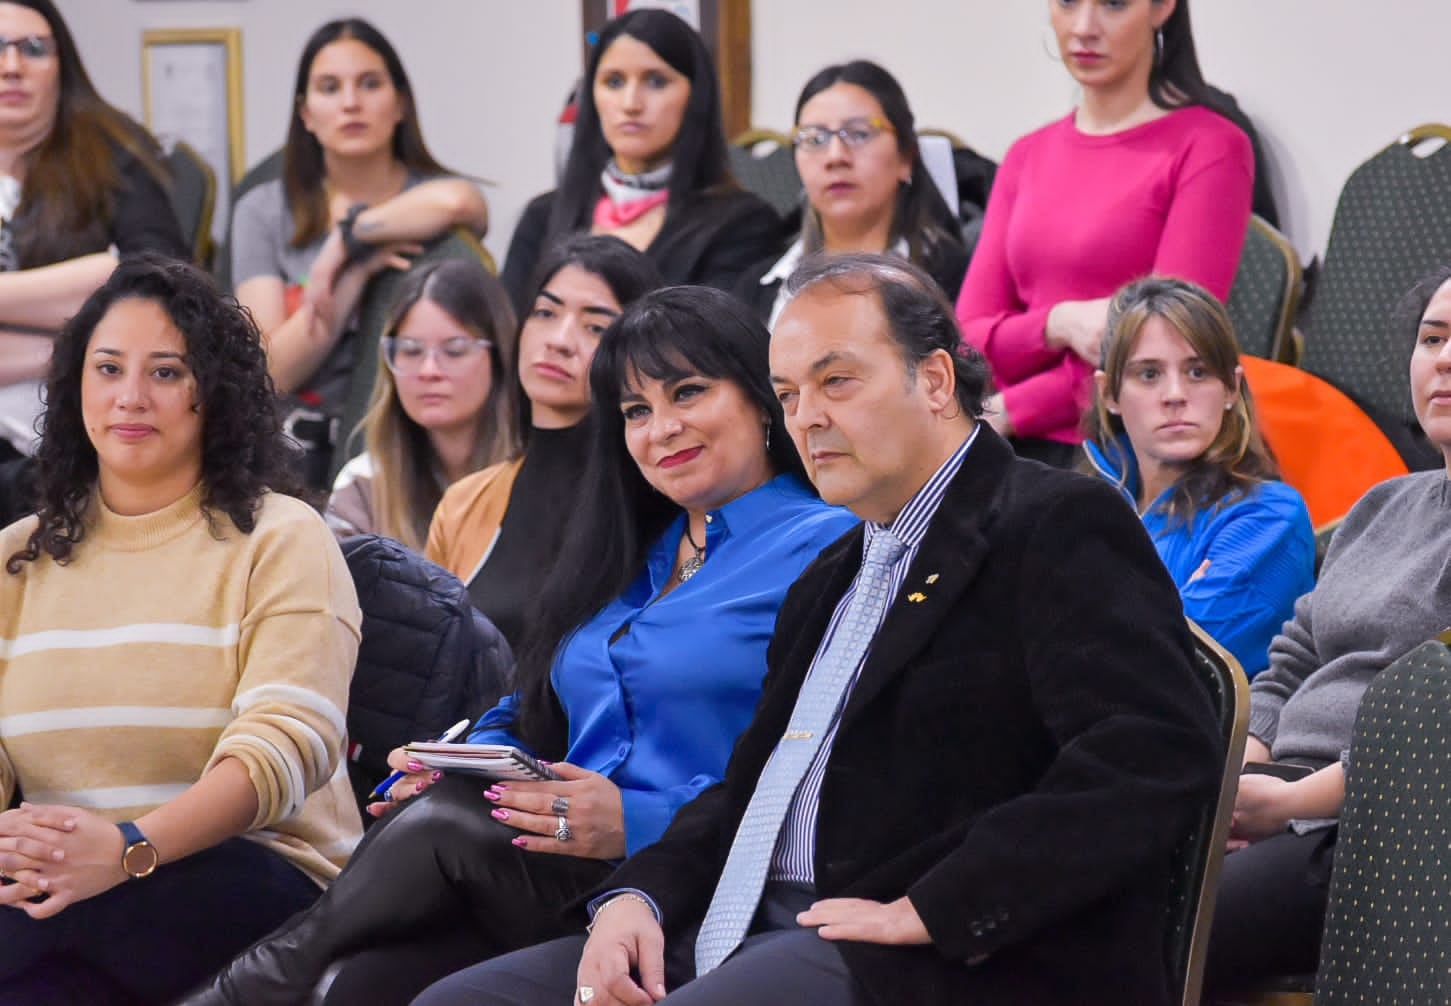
(412, 869)
(439, 860)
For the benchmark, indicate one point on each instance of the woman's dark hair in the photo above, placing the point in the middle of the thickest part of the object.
(1238, 458)
(921, 213)
(700, 161)
(1176, 80)
(1412, 306)
(303, 168)
(628, 272)
(244, 452)
(68, 197)
(665, 335)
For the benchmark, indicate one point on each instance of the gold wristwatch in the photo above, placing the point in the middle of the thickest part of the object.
(139, 858)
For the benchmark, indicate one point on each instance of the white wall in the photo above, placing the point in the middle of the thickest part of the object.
(490, 75)
(1329, 82)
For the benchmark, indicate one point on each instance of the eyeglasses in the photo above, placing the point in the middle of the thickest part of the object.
(853, 133)
(29, 46)
(405, 357)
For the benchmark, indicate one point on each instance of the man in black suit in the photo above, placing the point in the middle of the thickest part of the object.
(988, 815)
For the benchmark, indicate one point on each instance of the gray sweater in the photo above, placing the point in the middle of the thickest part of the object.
(1385, 588)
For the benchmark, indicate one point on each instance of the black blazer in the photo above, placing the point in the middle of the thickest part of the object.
(1025, 744)
(709, 241)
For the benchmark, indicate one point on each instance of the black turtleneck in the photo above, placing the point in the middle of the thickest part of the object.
(506, 586)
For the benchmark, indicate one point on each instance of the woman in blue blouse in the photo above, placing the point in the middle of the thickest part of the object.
(642, 664)
(1174, 429)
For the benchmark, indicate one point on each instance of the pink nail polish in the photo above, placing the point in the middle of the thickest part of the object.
(500, 815)
(437, 776)
(492, 794)
(520, 842)
(501, 786)
(416, 766)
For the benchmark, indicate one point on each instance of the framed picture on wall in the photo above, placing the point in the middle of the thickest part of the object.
(191, 92)
(726, 27)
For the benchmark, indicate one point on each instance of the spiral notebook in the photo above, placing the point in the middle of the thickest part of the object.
(492, 761)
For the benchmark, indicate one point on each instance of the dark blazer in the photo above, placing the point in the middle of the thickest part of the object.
(709, 241)
(1025, 744)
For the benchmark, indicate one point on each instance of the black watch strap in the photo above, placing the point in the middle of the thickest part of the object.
(354, 250)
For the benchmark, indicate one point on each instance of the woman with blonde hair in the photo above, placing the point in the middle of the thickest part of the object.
(1174, 428)
(440, 406)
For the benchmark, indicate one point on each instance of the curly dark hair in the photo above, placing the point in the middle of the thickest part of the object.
(244, 452)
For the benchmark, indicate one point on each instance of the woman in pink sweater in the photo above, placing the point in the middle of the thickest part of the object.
(1142, 178)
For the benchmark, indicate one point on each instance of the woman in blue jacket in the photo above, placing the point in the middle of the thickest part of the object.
(1174, 429)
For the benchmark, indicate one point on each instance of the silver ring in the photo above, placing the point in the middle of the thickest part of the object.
(562, 832)
(560, 806)
(586, 993)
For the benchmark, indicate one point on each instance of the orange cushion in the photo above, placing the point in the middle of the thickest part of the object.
(1328, 448)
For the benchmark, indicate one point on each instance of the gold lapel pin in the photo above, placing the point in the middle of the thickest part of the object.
(932, 578)
(917, 598)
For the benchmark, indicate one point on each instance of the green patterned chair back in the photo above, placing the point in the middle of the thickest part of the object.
(1392, 226)
(193, 197)
(373, 312)
(1201, 852)
(1388, 925)
(765, 163)
(1265, 293)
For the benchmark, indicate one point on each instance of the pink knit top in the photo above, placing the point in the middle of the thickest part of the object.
(1074, 217)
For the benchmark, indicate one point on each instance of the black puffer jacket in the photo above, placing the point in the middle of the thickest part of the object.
(428, 658)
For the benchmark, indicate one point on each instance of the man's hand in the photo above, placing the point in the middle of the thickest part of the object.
(625, 936)
(896, 923)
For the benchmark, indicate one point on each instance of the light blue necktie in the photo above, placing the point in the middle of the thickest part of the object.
(739, 892)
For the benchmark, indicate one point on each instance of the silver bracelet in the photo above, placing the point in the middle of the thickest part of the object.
(624, 896)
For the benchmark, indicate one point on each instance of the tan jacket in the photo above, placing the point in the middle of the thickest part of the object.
(466, 523)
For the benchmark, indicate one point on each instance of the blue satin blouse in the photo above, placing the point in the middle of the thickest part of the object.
(658, 712)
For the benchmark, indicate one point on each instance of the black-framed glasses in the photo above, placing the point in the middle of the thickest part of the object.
(405, 357)
(853, 133)
(29, 46)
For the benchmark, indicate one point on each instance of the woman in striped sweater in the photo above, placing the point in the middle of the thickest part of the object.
(176, 642)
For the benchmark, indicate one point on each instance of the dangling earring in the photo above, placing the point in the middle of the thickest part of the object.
(1158, 46)
(768, 437)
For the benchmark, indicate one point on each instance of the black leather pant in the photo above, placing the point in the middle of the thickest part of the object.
(435, 868)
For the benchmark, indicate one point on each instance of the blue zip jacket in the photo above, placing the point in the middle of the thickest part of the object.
(1261, 551)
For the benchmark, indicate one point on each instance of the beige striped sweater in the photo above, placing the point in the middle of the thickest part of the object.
(165, 645)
